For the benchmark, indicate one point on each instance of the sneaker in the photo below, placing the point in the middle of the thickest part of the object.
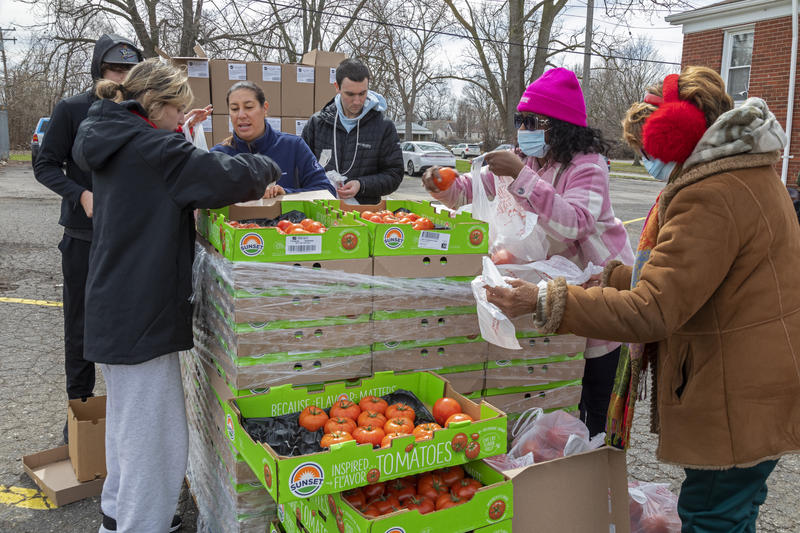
(111, 524)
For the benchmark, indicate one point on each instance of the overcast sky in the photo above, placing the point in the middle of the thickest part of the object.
(666, 38)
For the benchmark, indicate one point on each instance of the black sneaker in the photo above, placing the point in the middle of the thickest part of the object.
(111, 524)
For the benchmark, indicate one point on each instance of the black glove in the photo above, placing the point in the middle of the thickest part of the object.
(272, 171)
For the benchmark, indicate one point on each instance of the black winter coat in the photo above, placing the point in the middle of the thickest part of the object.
(147, 182)
(56, 150)
(378, 165)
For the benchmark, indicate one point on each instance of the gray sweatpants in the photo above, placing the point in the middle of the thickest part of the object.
(147, 444)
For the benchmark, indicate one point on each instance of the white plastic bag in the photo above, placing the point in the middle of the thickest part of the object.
(551, 435)
(199, 138)
(551, 268)
(512, 229)
(653, 508)
(495, 325)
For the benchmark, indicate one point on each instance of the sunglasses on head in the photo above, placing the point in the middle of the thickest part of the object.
(531, 122)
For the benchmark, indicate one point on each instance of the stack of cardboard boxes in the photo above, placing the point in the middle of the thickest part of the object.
(294, 92)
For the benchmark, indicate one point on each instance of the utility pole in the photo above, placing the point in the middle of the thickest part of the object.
(5, 67)
(587, 52)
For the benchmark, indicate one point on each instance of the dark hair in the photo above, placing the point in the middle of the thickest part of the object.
(249, 85)
(352, 69)
(567, 139)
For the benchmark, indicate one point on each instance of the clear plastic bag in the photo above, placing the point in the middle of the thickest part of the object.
(653, 508)
(549, 436)
(513, 231)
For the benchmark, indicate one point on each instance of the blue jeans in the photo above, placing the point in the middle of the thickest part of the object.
(723, 501)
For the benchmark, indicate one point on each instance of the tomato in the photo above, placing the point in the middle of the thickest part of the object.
(457, 417)
(443, 408)
(370, 418)
(420, 503)
(367, 214)
(373, 491)
(497, 509)
(425, 431)
(423, 224)
(387, 440)
(347, 425)
(445, 501)
(503, 257)
(329, 439)
(306, 222)
(401, 489)
(312, 418)
(459, 442)
(405, 220)
(314, 226)
(473, 450)
(398, 425)
(373, 403)
(431, 486)
(346, 409)
(376, 218)
(401, 410)
(369, 434)
(355, 497)
(373, 476)
(444, 178)
(371, 510)
(413, 217)
(466, 488)
(451, 474)
(385, 503)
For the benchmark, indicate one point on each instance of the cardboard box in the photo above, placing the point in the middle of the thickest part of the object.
(561, 394)
(197, 69)
(538, 345)
(389, 326)
(464, 380)
(523, 373)
(267, 76)
(324, 88)
(322, 58)
(297, 90)
(221, 128)
(86, 424)
(293, 125)
(52, 471)
(582, 493)
(224, 73)
(429, 355)
(348, 465)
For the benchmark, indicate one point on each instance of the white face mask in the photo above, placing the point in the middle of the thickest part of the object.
(532, 143)
(659, 169)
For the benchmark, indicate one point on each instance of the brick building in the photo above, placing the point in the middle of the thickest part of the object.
(749, 42)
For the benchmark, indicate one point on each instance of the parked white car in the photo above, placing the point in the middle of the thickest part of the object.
(467, 149)
(419, 155)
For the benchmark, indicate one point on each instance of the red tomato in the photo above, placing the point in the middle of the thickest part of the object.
(345, 409)
(387, 440)
(447, 500)
(423, 224)
(376, 218)
(457, 417)
(444, 178)
(367, 214)
(373, 491)
(355, 497)
(313, 418)
(401, 489)
(425, 431)
(451, 474)
(431, 486)
(369, 434)
(386, 503)
(398, 425)
(314, 226)
(420, 503)
(370, 418)
(329, 439)
(340, 424)
(373, 403)
(371, 510)
(283, 224)
(443, 408)
(466, 488)
(401, 410)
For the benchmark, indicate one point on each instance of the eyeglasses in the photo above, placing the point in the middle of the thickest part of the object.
(531, 122)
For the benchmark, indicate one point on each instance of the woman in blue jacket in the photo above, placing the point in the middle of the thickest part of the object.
(300, 170)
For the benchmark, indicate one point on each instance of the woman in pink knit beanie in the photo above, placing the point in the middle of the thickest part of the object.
(564, 180)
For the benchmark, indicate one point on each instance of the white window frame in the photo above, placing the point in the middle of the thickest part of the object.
(727, 50)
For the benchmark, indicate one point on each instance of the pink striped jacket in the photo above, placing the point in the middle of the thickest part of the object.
(574, 209)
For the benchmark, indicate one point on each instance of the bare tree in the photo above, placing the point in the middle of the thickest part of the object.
(435, 103)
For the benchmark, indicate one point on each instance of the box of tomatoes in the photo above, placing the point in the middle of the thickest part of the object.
(410, 227)
(286, 231)
(456, 499)
(323, 439)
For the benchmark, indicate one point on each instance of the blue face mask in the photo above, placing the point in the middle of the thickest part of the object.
(532, 143)
(658, 169)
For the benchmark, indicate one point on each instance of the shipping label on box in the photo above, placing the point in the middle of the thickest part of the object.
(268, 77)
(297, 91)
(270, 72)
(237, 71)
(305, 74)
(197, 68)
(274, 123)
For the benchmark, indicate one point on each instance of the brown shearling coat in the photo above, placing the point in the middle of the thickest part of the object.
(720, 295)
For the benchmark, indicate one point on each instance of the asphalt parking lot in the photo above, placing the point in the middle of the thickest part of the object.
(32, 381)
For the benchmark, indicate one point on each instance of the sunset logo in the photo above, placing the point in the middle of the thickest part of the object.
(306, 479)
(229, 427)
(395, 529)
(251, 244)
(393, 238)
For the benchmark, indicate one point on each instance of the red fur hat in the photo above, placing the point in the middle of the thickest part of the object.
(674, 129)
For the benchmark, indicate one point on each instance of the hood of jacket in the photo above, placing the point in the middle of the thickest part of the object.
(108, 127)
(374, 105)
(103, 45)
